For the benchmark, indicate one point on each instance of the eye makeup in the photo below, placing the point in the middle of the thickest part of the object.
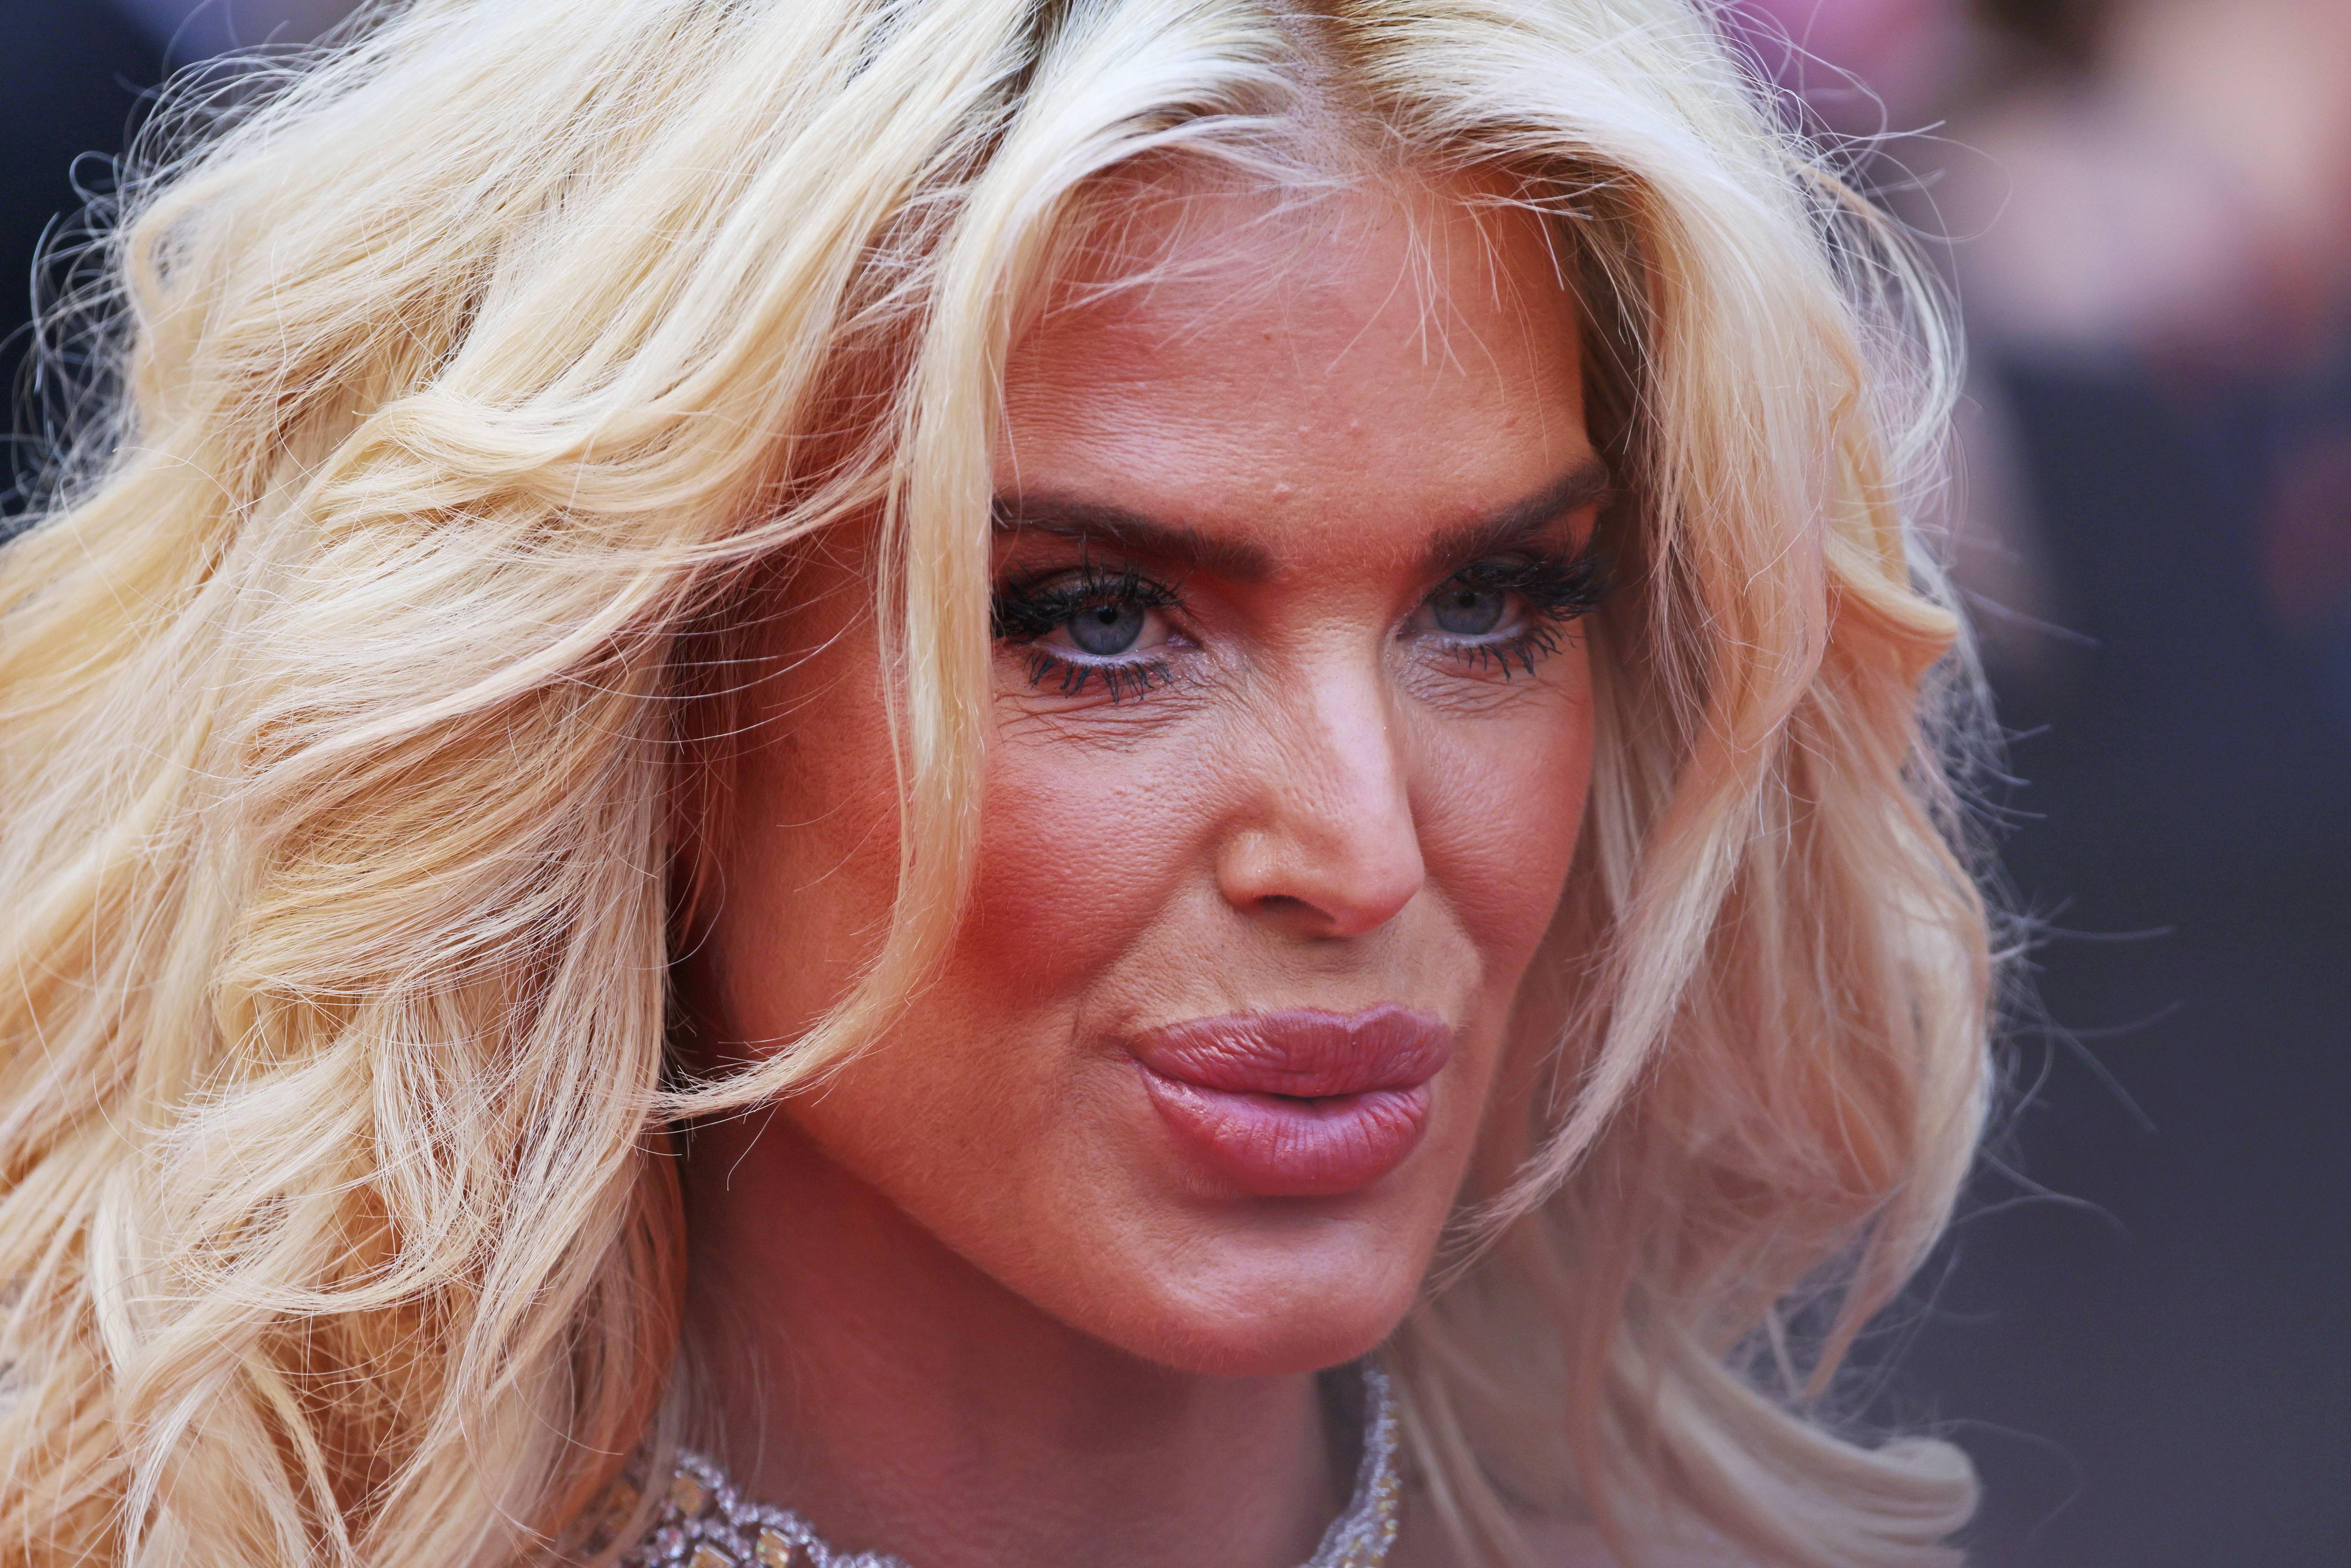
(1511, 609)
(1092, 628)
(1105, 614)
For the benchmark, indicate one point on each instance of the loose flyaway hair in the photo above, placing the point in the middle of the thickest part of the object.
(362, 674)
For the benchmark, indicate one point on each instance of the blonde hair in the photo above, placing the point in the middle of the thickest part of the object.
(466, 378)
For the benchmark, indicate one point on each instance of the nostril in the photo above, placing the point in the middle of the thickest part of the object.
(1316, 879)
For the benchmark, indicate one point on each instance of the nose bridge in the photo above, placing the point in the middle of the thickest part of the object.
(1332, 845)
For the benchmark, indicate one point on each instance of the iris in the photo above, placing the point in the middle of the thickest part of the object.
(1466, 610)
(1108, 629)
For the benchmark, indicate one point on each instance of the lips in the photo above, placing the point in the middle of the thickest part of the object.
(1299, 1102)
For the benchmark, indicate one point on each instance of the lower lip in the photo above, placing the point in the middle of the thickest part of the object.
(1279, 1145)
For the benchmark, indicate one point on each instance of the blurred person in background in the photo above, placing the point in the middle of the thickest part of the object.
(2144, 1337)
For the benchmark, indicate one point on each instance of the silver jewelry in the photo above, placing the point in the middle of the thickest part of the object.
(704, 1522)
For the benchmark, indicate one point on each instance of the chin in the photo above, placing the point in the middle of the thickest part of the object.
(1255, 1316)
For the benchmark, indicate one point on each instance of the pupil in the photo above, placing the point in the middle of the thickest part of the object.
(1469, 612)
(1103, 630)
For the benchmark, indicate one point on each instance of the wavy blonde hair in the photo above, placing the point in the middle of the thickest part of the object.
(357, 683)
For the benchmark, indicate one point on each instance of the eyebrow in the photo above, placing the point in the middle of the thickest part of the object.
(1178, 544)
(1585, 485)
(1240, 561)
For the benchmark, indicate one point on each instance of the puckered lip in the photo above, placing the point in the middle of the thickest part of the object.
(1298, 1101)
(1301, 1053)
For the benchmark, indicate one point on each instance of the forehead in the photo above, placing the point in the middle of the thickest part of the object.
(1343, 357)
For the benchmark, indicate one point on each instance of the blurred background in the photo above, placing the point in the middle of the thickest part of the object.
(2142, 1328)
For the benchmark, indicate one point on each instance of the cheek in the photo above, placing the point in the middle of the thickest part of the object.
(1083, 856)
(1500, 809)
(806, 873)
(1080, 883)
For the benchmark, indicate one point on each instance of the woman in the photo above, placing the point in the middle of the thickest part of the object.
(1138, 781)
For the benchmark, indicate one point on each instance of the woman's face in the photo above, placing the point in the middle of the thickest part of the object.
(1291, 736)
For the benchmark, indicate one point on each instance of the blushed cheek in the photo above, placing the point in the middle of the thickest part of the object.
(1082, 856)
(1502, 812)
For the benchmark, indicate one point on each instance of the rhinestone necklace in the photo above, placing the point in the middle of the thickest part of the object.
(704, 1522)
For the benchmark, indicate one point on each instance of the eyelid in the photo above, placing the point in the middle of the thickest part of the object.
(1573, 579)
(1028, 609)
(1031, 606)
(1093, 573)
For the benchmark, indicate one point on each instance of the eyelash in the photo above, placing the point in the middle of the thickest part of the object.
(1556, 588)
(1030, 608)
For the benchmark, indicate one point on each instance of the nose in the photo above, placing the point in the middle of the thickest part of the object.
(1328, 846)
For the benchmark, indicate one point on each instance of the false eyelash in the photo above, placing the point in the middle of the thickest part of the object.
(1558, 588)
(1120, 682)
(1526, 649)
(1031, 607)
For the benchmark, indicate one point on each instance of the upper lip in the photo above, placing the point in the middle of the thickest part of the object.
(1301, 1053)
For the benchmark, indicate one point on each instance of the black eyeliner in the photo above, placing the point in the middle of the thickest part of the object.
(1027, 609)
(1557, 588)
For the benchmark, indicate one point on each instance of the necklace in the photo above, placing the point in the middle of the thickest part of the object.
(704, 1522)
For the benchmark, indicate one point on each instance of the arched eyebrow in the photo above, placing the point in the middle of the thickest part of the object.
(1514, 526)
(1178, 544)
(1241, 560)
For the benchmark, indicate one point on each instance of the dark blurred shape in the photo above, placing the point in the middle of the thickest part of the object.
(2305, 547)
(2066, 31)
(73, 79)
(2153, 1367)
(2142, 1332)
(76, 78)
(2198, 729)
(199, 29)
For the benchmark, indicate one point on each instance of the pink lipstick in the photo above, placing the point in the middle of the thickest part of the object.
(1299, 1102)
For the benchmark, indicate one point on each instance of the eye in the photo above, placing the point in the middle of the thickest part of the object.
(1101, 615)
(1467, 610)
(1108, 629)
(1508, 613)
(1083, 629)
(1474, 606)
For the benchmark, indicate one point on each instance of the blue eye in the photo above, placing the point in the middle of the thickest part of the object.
(1108, 629)
(1466, 610)
(1511, 611)
(1087, 628)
